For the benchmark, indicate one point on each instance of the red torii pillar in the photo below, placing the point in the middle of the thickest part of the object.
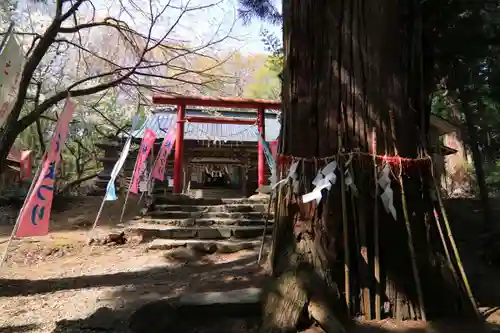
(261, 162)
(179, 149)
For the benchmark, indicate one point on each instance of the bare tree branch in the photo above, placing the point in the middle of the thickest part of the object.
(126, 58)
(71, 11)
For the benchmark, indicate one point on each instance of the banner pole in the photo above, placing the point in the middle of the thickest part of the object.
(136, 160)
(128, 188)
(18, 219)
(150, 176)
(100, 208)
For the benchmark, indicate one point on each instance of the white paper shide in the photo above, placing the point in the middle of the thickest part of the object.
(387, 195)
(324, 180)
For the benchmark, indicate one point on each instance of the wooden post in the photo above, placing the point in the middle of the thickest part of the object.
(179, 147)
(347, 260)
(376, 231)
(411, 247)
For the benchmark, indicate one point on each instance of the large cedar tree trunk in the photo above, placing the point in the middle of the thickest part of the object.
(352, 66)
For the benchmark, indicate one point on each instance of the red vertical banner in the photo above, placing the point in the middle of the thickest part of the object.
(35, 215)
(161, 161)
(146, 144)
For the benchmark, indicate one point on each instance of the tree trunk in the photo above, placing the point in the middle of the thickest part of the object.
(351, 66)
(8, 136)
(38, 123)
(477, 158)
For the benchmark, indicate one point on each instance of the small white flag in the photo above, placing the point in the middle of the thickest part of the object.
(349, 182)
(292, 174)
(384, 179)
(387, 195)
(324, 179)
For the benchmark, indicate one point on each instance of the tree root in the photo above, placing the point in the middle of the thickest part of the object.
(297, 296)
(324, 316)
(284, 302)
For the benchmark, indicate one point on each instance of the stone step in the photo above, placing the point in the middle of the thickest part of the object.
(221, 246)
(244, 201)
(232, 208)
(215, 193)
(191, 311)
(202, 214)
(186, 200)
(204, 222)
(149, 231)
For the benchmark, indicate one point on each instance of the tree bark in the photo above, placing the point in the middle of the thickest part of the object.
(351, 66)
(8, 136)
(477, 158)
(38, 123)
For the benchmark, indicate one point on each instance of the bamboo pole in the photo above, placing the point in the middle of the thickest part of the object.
(357, 245)
(278, 210)
(127, 194)
(150, 176)
(261, 250)
(454, 246)
(132, 177)
(411, 246)
(412, 311)
(345, 229)
(360, 239)
(445, 247)
(376, 231)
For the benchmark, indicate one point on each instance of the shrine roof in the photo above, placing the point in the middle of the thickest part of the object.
(162, 120)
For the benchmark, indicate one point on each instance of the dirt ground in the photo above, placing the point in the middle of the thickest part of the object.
(59, 283)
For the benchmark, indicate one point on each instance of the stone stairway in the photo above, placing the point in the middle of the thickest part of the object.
(214, 193)
(207, 225)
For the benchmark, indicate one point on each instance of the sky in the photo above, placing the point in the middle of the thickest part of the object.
(254, 44)
(197, 26)
(200, 24)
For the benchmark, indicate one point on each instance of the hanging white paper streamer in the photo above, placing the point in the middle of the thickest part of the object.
(384, 179)
(387, 195)
(324, 179)
(349, 182)
(292, 174)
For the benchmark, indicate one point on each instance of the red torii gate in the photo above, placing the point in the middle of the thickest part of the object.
(237, 103)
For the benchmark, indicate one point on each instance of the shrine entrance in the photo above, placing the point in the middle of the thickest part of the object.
(218, 176)
(214, 175)
(209, 179)
(227, 156)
